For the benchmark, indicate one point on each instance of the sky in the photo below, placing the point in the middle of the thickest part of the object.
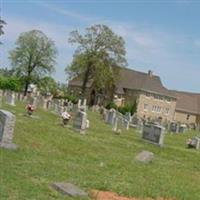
(162, 36)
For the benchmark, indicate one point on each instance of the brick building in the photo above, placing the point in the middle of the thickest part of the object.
(154, 101)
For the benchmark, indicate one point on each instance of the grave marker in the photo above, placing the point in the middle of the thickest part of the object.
(154, 133)
(7, 124)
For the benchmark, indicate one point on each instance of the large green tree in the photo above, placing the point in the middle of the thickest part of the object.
(98, 53)
(34, 56)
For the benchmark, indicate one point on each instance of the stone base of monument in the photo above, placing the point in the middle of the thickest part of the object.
(69, 189)
(9, 146)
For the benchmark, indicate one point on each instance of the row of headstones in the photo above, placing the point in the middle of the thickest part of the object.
(116, 119)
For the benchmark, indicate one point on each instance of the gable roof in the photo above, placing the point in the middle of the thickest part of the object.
(135, 80)
(131, 79)
(187, 102)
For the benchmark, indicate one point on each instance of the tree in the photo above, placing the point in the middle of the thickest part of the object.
(48, 84)
(98, 53)
(33, 57)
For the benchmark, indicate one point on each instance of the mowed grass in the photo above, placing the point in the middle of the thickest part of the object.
(100, 160)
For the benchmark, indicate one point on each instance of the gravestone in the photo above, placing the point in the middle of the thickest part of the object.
(1, 98)
(82, 106)
(195, 142)
(10, 98)
(120, 123)
(145, 157)
(182, 128)
(7, 124)
(173, 127)
(154, 133)
(69, 189)
(60, 110)
(80, 122)
(111, 116)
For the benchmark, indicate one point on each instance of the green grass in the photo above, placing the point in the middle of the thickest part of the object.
(99, 160)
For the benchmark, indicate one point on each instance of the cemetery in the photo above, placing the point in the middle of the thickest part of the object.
(83, 116)
(87, 160)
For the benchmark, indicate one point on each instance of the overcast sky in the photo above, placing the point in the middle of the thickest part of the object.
(163, 36)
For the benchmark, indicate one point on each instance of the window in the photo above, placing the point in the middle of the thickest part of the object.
(145, 107)
(188, 117)
(167, 111)
(148, 94)
(157, 109)
(168, 100)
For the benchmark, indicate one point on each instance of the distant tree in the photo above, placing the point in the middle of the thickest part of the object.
(48, 84)
(6, 72)
(98, 53)
(33, 57)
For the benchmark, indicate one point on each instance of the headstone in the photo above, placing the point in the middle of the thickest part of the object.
(111, 116)
(87, 123)
(80, 122)
(69, 189)
(11, 98)
(173, 127)
(1, 98)
(154, 133)
(79, 103)
(145, 157)
(195, 143)
(182, 128)
(7, 124)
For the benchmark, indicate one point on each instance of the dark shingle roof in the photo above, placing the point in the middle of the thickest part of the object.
(132, 79)
(187, 102)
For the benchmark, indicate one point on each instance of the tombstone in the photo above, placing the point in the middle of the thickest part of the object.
(128, 116)
(173, 127)
(44, 104)
(1, 98)
(60, 110)
(120, 123)
(11, 98)
(56, 108)
(145, 157)
(49, 104)
(70, 106)
(7, 124)
(182, 128)
(194, 143)
(154, 134)
(79, 103)
(69, 189)
(111, 116)
(35, 101)
(87, 123)
(80, 122)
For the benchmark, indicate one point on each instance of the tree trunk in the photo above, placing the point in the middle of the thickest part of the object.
(26, 86)
(85, 80)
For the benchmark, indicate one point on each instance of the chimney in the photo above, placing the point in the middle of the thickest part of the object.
(150, 73)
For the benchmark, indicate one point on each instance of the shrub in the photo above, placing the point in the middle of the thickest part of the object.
(111, 105)
(10, 83)
(128, 108)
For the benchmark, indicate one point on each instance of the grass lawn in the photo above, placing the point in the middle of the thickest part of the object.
(99, 160)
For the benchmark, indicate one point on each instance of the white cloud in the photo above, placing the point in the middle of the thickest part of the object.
(65, 12)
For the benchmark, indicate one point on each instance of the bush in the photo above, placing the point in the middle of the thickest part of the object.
(128, 108)
(10, 83)
(111, 105)
(71, 98)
